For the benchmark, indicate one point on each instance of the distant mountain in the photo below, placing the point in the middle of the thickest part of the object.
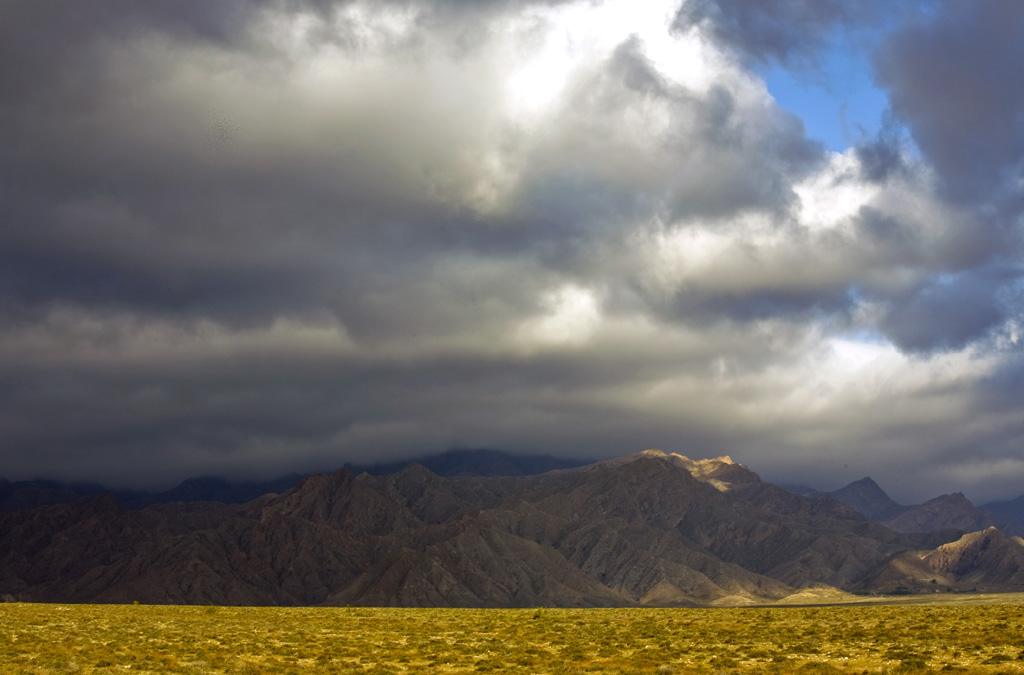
(215, 489)
(473, 462)
(947, 512)
(868, 499)
(986, 560)
(645, 529)
(30, 494)
(952, 512)
(1010, 513)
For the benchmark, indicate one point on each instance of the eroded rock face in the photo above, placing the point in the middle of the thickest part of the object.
(986, 560)
(644, 529)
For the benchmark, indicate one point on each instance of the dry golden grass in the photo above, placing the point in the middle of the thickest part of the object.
(966, 637)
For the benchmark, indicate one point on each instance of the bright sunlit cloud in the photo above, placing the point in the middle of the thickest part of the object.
(555, 43)
(853, 356)
(571, 316)
(832, 196)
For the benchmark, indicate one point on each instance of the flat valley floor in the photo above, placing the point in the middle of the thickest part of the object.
(959, 633)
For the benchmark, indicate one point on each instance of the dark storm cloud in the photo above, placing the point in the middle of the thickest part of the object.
(185, 415)
(884, 155)
(793, 303)
(1004, 389)
(281, 235)
(944, 314)
(954, 78)
(783, 155)
(61, 40)
(130, 211)
(789, 31)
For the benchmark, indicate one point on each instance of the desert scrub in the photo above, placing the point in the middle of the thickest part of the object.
(878, 639)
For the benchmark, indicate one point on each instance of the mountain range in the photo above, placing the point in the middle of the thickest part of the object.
(945, 512)
(28, 494)
(645, 529)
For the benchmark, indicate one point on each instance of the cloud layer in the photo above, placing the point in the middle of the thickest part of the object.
(260, 237)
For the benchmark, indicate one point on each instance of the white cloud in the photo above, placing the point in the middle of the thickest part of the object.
(830, 197)
(570, 317)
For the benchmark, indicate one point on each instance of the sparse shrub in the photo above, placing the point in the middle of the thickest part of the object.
(46, 640)
(243, 667)
(724, 662)
(819, 668)
(911, 663)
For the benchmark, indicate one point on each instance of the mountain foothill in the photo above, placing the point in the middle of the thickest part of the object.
(489, 529)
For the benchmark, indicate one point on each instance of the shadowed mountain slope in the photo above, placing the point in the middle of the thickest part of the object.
(1010, 513)
(645, 529)
(947, 512)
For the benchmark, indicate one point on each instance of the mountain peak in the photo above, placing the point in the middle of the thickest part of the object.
(867, 498)
(957, 498)
(655, 452)
(720, 472)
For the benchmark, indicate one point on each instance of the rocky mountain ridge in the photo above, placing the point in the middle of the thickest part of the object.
(945, 512)
(951, 512)
(650, 528)
(865, 496)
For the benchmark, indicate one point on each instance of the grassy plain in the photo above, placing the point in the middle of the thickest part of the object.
(965, 634)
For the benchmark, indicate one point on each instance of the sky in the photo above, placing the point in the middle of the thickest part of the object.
(253, 237)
